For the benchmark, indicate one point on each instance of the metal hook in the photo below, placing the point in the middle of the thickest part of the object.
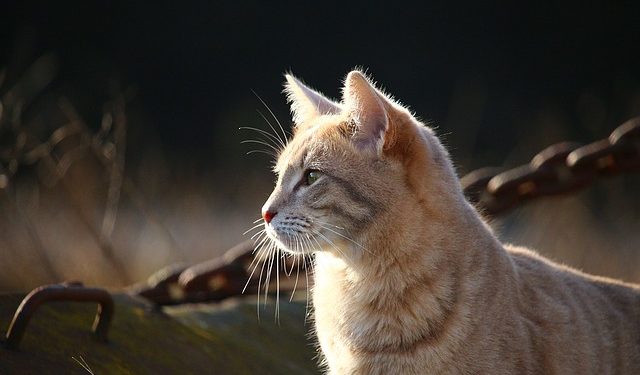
(61, 292)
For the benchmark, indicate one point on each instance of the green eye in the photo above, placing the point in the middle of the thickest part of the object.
(311, 176)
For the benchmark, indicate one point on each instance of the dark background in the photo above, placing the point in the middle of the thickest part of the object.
(194, 63)
(499, 80)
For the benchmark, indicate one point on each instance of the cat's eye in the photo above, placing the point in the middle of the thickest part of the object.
(311, 176)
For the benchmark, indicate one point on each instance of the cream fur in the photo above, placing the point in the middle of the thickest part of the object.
(409, 279)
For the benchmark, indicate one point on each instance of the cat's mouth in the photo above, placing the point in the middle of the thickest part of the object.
(294, 242)
(309, 239)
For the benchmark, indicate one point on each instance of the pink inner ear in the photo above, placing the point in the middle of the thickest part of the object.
(366, 107)
(372, 125)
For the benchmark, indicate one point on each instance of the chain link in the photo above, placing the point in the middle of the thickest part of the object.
(558, 169)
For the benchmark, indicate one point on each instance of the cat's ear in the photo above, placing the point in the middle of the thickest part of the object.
(365, 106)
(305, 102)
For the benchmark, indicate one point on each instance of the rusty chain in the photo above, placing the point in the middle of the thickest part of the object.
(558, 169)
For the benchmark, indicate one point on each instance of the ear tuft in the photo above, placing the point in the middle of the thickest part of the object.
(305, 102)
(364, 104)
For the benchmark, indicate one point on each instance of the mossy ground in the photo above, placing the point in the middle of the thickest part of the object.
(195, 339)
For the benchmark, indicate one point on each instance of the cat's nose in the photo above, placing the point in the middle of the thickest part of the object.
(268, 215)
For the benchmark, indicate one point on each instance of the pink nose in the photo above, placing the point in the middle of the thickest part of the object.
(268, 215)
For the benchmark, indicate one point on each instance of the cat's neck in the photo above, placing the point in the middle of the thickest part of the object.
(413, 283)
(431, 240)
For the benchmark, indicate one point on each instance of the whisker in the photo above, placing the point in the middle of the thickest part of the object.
(314, 248)
(252, 228)
(83, 364)
(261, 142)
(264, 262)
(272, 114)
(277, 317)
(295, 284)
(306, 277)
(259, 244)
(262, 245)
(271, 154)
(260, 250)
(303, 255)
(309, 246)
(260, 233)
(256, 260)
(277, 141)
(298, 245)
(325, 223)
(268, 278)
(261, 237)
(284, 264)
(327, 240)
(313, 272)
(311, 258)
(345, 237)
(272, 127)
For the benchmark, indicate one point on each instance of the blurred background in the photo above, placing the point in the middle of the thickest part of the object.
(120, 151)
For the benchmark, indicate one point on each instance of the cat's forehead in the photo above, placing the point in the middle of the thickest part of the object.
(294, 153)
(308, 140)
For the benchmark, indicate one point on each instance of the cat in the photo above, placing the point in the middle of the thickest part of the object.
(409, 278)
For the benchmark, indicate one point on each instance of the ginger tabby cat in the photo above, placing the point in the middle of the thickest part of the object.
(409, 279)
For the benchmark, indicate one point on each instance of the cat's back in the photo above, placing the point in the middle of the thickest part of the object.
(576, 322)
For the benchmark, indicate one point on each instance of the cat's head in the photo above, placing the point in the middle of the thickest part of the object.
(353, 170)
